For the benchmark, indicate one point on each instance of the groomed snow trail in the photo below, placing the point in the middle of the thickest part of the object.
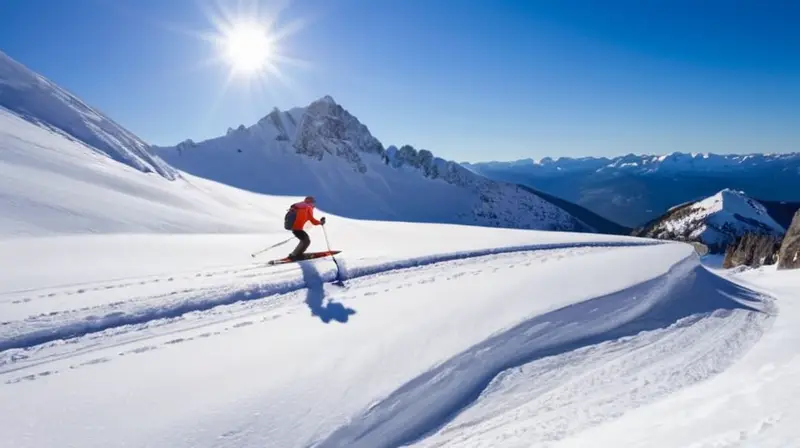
(423, 351)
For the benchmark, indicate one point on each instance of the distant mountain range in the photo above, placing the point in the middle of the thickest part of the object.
(634, 189)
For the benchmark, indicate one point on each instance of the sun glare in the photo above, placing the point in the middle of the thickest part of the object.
(246, 40)
(247, 48)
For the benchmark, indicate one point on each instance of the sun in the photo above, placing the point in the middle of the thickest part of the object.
(246, 39)
(247, 48)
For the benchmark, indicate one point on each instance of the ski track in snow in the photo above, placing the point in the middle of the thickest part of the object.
(162, 332)
(72, 323)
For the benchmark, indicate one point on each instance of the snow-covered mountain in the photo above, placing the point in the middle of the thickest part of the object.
(715, 221)
(40, 101)
(634, 189)
(323, 150)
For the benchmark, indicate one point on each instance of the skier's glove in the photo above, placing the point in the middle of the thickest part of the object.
(322, 220)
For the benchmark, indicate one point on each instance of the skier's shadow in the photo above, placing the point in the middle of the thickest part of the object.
(315, 296)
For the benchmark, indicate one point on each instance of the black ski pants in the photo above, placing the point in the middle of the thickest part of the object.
(305, 241)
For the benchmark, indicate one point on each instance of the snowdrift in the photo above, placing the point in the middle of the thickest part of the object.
(686, 293)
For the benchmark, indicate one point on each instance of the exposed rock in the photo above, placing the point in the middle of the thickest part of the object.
(752, 250)
(789, 255)
(327, 128)
(700, 248)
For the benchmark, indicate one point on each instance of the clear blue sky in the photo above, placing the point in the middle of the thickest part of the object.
(468, 79)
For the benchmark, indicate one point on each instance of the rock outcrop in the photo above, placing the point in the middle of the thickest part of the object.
(752, 250)
(789, 255)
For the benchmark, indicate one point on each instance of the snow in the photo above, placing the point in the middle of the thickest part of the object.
(752, 404)
(133, 314)
(50, 185)
(272, 373)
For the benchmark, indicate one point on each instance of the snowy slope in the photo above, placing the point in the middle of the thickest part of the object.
(38, 100)
(52, 185)
(325, 151)
(715, 221)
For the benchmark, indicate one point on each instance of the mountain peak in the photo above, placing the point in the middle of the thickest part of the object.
(326, 99)
(326, 102)
(715, 221)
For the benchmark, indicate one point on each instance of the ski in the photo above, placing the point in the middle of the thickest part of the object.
(304, 257)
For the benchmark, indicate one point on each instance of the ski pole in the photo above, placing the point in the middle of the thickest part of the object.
(271, 247)
(333, 257)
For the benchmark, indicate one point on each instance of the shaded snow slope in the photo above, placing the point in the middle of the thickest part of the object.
(715, 221)
(38, 100)
(325, 151)
(407, 349)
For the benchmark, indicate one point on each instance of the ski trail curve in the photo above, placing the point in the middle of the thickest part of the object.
(430, 401)
(206, 301)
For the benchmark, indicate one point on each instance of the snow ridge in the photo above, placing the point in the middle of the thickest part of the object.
(41, 102)
(685, 294)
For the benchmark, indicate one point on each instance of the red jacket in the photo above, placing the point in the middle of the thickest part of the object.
(305, 213)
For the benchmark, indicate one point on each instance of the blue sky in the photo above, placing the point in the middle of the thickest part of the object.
(468, 79)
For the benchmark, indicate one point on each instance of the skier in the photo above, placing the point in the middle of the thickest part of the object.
(296, 218)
